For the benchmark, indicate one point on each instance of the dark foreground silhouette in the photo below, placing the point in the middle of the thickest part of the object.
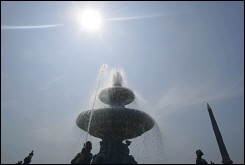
(27, 159)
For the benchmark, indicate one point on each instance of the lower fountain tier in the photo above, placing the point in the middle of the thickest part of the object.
(116, 123)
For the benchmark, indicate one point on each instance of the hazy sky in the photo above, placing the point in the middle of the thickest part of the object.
(176, 56)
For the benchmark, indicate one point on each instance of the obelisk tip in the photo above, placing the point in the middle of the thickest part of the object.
(208, 106)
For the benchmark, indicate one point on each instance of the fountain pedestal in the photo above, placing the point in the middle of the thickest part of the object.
(115, 124)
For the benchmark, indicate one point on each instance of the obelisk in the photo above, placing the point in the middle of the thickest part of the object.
(225, 156)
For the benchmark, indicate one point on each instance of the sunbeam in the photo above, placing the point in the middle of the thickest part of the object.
(7, 27)
(135, 17)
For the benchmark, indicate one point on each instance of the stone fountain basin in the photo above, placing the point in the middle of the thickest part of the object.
(117, 123)
(116, 96)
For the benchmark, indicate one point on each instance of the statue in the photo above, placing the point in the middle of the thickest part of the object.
(130, 158)
(19, 162)
(118, 153)
(85, 156)
(199, 159)
(27, 159)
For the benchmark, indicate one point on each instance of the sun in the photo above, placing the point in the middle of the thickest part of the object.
(90, 20)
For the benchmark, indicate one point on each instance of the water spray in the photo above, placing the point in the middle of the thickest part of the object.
(104, 66)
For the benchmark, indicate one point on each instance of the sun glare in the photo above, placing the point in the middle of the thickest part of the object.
(90, 20)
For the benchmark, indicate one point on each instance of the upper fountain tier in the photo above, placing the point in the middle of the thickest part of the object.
(116, 96)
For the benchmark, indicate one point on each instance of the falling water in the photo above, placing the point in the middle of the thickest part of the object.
(149, 147)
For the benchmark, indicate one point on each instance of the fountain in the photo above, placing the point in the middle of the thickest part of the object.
(116, 123)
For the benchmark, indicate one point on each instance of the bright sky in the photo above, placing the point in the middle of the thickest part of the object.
(176, 55)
